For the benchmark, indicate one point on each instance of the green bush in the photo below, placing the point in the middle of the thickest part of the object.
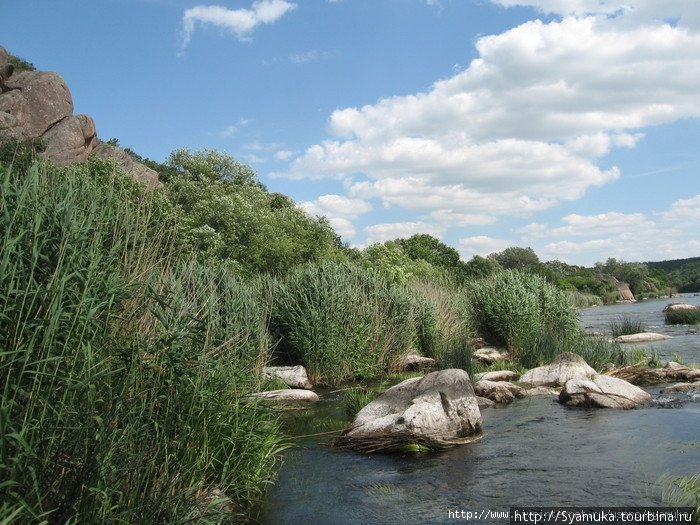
(521, 311)
(342, 321)
(683, 316)
(625, 325)
(123, 375)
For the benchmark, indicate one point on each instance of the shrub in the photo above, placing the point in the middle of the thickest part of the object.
(688, 316)
(521, 311)
(342, 321)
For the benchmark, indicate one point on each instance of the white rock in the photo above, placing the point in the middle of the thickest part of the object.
(294, 376)
(643, 337)
(497, 375)
(289, 394)
(565, 366)
(603, 391)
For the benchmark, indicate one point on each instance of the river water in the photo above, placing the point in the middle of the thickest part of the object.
(534, 452)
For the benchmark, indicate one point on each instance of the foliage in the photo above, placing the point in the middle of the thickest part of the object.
(515, 258)
(391, 259)
(424, 247)
(479, 267)
(583, 300)
(682, 491)
(625, 325)
(342, 321)
(123, 375)
(677, 316)
(20, 64)
(520, 310)
(356, 399)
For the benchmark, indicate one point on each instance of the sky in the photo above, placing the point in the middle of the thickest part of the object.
(569, 126)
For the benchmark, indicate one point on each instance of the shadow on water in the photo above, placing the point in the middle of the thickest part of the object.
(534, 452)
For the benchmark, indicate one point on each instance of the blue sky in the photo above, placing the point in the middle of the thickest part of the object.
(571, 126)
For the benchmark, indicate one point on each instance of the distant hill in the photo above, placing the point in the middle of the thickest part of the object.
(674, 264)
(683, 273)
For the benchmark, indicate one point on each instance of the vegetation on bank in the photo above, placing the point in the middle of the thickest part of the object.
(682, 316)
(134, 324)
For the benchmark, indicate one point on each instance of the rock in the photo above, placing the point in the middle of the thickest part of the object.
(440, 408)
(293, 376)
(290, 394)
(7, 120)
(681, 387)
(416, 362)
(644, 337)
(70, 141)
(489, 355)
(4, 56)
(128, 164)
(497, 375)
(498, 391)
(38, 100)
(484, 402)
(604, 392)
(541, 391)
(565, 366)
(672, 371)
(679, 306)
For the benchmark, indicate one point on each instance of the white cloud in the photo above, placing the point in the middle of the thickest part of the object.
(400, 230)
(523, 127)
(684, 210)
(589, 225)
(284, 154)
(232, 129)
(241, 22)
(481, 245)
(339, 211)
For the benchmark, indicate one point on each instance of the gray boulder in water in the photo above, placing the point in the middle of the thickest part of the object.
(604, 392)
(565, 366)
(439, 409)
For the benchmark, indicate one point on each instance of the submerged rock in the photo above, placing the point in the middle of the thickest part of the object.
(439, 409)
(499, 391)
(293, 376)
(604, 392)
(643, 337)
(565, 366)
(681, 387)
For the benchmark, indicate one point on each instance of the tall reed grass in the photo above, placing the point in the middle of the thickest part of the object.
(688, 316)
(625, 325)
(342, 321)
(123, 374)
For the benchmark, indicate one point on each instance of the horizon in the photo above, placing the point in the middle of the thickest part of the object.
(486, 124)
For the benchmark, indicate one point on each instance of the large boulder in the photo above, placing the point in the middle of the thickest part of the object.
(128, 164)
(604, 392)
(499, 391)
(293, 376)
(37, 100)
(565, 366)
(679, 306)
(440, 409)
(642, 337)
(71, 140)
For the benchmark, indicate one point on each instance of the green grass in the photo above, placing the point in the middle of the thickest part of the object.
(357, 398)
(123, 374)
(625, 325)
(683, 316)
(682, 491)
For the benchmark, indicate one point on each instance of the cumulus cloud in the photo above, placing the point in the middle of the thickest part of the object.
(339, 211)
(524, 126)
(399, 230)
(241, 22)
(683, 210)
(589, 225)
(481, 245)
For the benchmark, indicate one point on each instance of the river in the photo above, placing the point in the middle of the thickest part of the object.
(534, 452)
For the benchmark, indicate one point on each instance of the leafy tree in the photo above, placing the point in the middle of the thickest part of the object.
(515, 258)
(479, 267)
(422, 246)
(212, 166)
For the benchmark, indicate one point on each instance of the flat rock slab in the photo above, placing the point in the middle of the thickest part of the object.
(541, 391)
(439, 408)
(604, 392)
(679, 306)
(499, 391)
(565, 367)
(293, 376)
(497, 375)
(291, 394)
(644, 337)
(489, 355)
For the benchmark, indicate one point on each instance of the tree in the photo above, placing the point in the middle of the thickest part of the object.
(515, 258)
(422, 246)
(479, 267)
(211, 165)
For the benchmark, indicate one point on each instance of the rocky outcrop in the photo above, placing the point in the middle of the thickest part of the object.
(623, 289)
(439, 409)
(500, 392)
(604, 392)
(126, 163)
(38, 105)
(643, 337)
(565, 366)
(293, 376)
